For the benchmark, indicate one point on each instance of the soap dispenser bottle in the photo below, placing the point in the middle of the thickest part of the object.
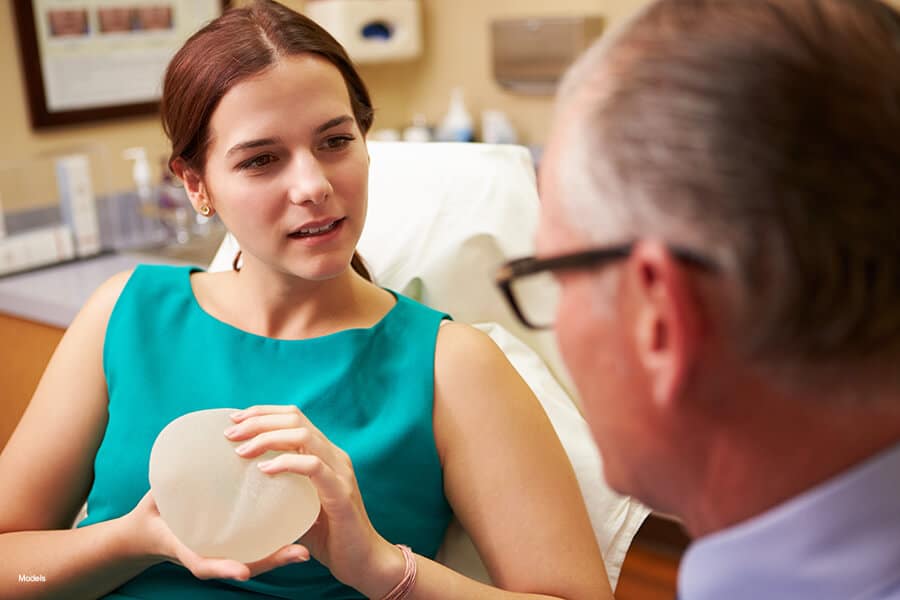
(148, 227)
(141, 174)
(457, 123)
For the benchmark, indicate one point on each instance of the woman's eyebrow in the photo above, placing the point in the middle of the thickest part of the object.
(333, 123)
(274, 140)
(253, 144)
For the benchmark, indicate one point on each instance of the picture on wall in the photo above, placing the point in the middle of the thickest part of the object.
(87, 60)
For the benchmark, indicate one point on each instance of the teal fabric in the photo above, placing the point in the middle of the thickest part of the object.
(371, 391)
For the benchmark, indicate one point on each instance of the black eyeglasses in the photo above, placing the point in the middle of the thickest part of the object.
(532, 292)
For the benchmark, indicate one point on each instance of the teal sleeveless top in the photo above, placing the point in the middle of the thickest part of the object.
(370, 391)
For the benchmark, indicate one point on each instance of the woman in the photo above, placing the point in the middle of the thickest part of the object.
(366, 391)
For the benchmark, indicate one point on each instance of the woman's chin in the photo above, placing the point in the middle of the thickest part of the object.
(321, 272)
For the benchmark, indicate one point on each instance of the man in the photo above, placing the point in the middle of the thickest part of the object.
(721, 211)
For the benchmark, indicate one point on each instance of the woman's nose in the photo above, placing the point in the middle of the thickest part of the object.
(309, 183)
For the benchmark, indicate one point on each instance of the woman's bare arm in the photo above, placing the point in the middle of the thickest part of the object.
(509, 481)
(46, 471)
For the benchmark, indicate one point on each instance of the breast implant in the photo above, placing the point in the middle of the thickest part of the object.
(219, 504)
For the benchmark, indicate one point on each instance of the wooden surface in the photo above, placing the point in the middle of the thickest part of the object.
(25, 349)
(650, 570)
(647, 575)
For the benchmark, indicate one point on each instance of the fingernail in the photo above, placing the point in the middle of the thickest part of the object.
(300, 558)
(236, 415)
(242, 448)
(264, 464)
(230, 431)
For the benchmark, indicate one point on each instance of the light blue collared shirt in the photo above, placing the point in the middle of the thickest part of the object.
(838, 541)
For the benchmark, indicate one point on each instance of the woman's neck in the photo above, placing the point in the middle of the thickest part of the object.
(283, 306)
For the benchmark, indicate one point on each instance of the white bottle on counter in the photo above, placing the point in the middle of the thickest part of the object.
(496, 128)
(77, 202)
(418, 131)
(457, 125)
(141, 174)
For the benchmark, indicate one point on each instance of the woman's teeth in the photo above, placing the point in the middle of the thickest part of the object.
(307, 231)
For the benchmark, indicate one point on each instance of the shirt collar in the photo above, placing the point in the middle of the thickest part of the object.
(838, 540)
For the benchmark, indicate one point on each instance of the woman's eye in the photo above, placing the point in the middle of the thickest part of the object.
(257, 162)
(337, 142)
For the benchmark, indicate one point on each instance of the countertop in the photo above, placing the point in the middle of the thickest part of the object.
(54, 295)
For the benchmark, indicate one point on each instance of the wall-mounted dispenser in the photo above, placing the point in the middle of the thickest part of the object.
(371, 30)
(530, 55)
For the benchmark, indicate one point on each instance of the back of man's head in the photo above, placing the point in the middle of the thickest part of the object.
(765, 134)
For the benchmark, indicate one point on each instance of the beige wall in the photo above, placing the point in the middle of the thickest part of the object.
(457, 52)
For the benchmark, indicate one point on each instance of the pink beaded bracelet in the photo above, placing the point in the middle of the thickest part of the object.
(402, 589)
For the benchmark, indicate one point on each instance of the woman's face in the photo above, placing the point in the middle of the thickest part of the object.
(287, 168)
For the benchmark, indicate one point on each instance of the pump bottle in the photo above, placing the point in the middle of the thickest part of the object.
(457, 124)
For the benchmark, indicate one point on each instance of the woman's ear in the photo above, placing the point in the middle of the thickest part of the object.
(193, 185)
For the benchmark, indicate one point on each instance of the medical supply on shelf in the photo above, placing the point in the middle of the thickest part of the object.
(175, 209)
(35, 248)
(140, 172)
(418, 131)
(457, 124)
(496, 128)
(2, 219)
(77, 202)
(156, 221)
(385, 135)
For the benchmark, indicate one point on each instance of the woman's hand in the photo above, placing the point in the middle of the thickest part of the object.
(343, 538)
(163, 544)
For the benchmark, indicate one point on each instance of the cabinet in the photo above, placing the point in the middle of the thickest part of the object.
(25, 349)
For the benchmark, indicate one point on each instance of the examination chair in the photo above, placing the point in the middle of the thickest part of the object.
(441, 219)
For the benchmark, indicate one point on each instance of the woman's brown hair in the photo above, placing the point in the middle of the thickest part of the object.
(242, 43)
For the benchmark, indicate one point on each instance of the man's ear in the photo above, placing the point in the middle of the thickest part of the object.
(667, 324)
(193, 184)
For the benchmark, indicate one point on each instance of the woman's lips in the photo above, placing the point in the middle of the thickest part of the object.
(322, 234)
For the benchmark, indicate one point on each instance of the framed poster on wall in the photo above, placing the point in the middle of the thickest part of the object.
(88, 60)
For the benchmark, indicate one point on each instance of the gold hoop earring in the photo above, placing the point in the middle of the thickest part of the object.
(205, 209)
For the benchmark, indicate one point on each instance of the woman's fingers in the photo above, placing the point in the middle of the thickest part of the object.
(302, 464)
(292, 553)
(257, 419)
(262, 428)
(255, 425)
(212, 568)
(333, 489)
(259, 410)
(224, 568)
(262, 409)
(297, 440)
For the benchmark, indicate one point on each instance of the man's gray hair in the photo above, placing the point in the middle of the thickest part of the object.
(764, 134)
